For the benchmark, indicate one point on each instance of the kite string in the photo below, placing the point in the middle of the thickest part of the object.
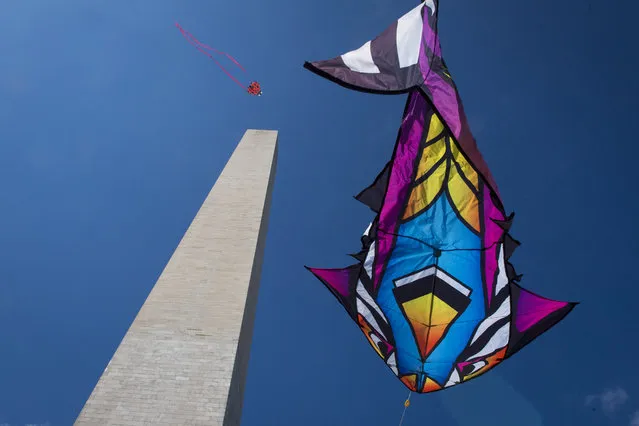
(406, 404)
(200, 47)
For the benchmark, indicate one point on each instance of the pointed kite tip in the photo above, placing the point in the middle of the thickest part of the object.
(310, 66)
(505, 224)
(311, 270)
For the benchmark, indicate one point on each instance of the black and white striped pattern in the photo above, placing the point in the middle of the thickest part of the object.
(390, 62)
(495, 329)
(493, 333)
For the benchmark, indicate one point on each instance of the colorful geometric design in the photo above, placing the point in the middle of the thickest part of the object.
(433, 291)
(431, 300)
(442, 162)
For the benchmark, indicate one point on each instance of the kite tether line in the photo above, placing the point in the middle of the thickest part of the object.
(205, 49)
(406, 404)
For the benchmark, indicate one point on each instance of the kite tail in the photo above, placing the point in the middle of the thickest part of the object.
(190, 36)
(203, 47)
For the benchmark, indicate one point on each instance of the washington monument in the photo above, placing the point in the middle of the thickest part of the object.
(184, 359)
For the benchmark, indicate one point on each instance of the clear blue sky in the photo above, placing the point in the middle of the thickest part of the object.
(113, 129)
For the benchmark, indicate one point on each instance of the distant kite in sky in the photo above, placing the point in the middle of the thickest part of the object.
(434, 291)
(253, 88)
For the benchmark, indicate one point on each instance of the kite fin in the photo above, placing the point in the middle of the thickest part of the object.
(342, 283)
(373, 196)
(532, 315)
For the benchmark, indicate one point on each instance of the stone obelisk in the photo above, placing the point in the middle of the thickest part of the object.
(184, 359)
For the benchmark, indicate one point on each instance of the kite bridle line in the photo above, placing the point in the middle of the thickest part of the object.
(203, 47)
(437, 248)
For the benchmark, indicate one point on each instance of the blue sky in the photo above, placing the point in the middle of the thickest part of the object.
(113, 129)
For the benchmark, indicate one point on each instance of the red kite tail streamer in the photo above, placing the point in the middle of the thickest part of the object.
(205, 49)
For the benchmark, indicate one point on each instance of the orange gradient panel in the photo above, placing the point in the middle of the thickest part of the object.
(467, 169)
(441, 317)
(410, 380)
(423, 194)
(464, 199)
(424, 311)
(430, 156)
(418, 313)
(430, 385)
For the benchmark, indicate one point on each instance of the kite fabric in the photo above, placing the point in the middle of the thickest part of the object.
(434, 291)
(253, 88)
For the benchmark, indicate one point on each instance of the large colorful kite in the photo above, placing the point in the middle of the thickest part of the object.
(434, 291)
